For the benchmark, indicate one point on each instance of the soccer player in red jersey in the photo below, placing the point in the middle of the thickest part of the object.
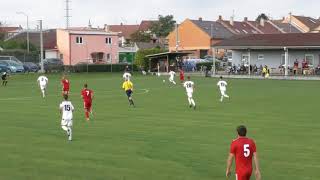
(65, 85)
(87, 96)
(243, 150)
(181, 76)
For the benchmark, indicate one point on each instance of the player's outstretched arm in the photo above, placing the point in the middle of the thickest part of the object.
(229, 164)
(257, 170)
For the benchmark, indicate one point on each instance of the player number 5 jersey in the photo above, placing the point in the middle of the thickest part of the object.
(243, 149)
(189, 86)
(67, 108)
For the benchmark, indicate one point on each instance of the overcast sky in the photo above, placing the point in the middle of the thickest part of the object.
(102, 12)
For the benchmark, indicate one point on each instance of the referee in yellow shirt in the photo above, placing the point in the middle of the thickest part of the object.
(128, 87)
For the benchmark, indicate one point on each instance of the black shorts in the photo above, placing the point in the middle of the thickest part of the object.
(129, 93)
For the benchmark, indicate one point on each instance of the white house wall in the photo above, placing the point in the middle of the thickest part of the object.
(273, 58)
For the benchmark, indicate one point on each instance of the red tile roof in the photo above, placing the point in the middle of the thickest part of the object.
(286, 27)
(124, 30)
(273, 40)
(239, 27)
(268, 28)
(146, 25)
(310, 22)
(8, 29)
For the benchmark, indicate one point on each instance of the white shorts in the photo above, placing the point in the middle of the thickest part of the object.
(171, 79)
(223, 92)
(66, 122)
(189, 94)
(43, 86)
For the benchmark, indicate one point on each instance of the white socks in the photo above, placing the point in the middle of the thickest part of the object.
(191, 102)
(222, 96)
(43, 93)
(69, 131)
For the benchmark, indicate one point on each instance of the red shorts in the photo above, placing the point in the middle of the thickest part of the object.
(87, 105)
(243, 175)
(66, 89)
(182, 78)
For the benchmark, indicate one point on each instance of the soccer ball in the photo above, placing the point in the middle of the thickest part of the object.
(164, 81)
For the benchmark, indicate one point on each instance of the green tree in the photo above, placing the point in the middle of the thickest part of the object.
(139, 36)
(262, 16)
(2, 33)
(17, 45)
(163, 26)
(142, 60)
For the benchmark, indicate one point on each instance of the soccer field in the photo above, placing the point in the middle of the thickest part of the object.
(162, 138)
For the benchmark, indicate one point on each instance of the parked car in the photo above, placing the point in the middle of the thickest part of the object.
(10, 58)
(12, 66)
(3, 68)
(31, 67)
(52, 64)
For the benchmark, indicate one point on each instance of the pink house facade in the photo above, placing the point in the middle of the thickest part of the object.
(87, 46)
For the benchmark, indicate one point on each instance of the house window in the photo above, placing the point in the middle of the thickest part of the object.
(245, 59)
(310, 59)
(108, 40)
(79, 40)
(260, 57)
(109, 57)
(229, 55)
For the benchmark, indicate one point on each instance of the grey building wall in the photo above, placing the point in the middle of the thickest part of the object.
(274, 58)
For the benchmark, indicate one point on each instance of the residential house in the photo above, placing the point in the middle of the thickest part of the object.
(49, 40)
(197, 37)
(127, 54)
(273, 50)
(285, 27)
(10, 31)
(87, 46)
(145, 25)
(124, 31)
(249, 27)
(303, 23)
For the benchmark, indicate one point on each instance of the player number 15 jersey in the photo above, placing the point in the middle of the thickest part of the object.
(67, 108)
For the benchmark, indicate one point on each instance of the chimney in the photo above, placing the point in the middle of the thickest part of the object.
(262, 21)
(106, 27)
(89, 24)
(231, 21)
(200, 18)
(245, 19)
(220, 18)
(121, 24)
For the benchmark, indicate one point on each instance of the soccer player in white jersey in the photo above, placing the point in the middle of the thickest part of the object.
(223, 88)
(66, 110)
(126, 76)
(171, 77)
(189, 85)
(43, 81)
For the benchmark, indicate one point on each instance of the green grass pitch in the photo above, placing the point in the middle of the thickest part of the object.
(160, 139)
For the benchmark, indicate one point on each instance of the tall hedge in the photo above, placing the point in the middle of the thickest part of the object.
(101, 68)
(142, 60)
